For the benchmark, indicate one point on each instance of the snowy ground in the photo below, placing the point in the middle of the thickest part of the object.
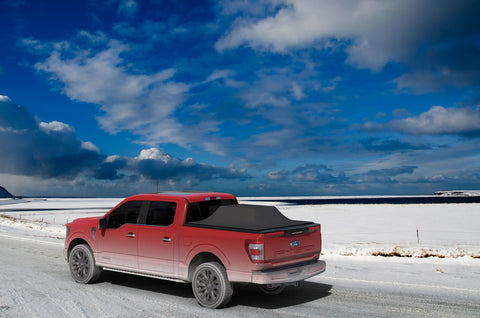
(356, 283)
(412, 230)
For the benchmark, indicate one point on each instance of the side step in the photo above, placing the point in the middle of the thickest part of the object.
(144, 274)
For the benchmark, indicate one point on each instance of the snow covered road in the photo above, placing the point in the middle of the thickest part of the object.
(36, 283)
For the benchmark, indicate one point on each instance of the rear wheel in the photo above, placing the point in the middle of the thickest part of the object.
(82, 265)
(272, 289)
(211, 286)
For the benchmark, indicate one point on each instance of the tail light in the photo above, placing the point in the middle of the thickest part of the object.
(256, 251)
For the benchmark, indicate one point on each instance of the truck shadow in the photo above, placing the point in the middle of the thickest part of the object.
(251, 296)
(243, 295)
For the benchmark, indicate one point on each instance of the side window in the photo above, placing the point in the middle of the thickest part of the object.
(201, 210)
(161, 213)
(126, 213)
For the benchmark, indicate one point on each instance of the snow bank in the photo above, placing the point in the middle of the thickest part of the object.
(444, 230)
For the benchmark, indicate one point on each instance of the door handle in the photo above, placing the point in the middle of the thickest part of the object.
(166, 239)
(130, 235)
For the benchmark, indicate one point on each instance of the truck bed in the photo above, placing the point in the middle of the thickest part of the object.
(251, 219)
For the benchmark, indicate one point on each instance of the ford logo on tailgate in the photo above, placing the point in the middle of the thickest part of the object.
(294, 243)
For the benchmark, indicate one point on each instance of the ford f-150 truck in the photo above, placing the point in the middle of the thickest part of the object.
(206, 239)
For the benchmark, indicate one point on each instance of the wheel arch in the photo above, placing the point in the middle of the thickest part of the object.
(75, 242)
(200, 258)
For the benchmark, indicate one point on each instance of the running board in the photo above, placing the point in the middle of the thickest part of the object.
(145, 275)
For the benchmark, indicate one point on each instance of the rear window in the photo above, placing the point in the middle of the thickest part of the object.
(201, 210)
(161, 213)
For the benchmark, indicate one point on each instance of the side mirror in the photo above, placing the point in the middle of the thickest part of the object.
(102, 224)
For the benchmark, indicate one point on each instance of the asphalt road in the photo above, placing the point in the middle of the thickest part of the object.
(35, 282)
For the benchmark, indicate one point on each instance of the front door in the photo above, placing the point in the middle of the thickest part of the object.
(118, 242)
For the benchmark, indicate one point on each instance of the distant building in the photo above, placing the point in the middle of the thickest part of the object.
(459, 193)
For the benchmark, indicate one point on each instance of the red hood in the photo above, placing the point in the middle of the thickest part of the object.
(93, 219)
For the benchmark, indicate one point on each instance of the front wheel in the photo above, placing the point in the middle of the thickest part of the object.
(82, 265)
(272, 289)
(211, 286)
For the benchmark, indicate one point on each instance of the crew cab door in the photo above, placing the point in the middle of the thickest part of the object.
(117, 244)
(158, 240)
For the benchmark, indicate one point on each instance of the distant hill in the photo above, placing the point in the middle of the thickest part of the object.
(4, 193)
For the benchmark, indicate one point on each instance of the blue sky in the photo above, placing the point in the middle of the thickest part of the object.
(266, 97)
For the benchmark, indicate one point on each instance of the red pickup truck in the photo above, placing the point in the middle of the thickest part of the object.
(206, 239)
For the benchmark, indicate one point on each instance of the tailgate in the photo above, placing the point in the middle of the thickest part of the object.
(292, 245)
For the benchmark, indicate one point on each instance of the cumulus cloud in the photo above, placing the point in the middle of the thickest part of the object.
(421, 34)
(100, 71)
(55, 126)
(53, 150)
(130, 101)
(438, 120)
(301, 23)
(48, 150)
(155, 164)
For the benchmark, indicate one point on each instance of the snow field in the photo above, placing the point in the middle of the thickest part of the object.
(444, 230)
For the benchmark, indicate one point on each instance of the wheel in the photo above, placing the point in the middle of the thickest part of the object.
(272, 289)
(82, 265)
(211, 286)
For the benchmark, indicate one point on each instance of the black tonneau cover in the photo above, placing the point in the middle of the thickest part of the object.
(248, 218)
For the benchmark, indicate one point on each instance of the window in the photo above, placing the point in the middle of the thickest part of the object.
(126, 213)
(161, 213)
(202, 210)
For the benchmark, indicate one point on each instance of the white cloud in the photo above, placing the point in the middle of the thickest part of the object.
(220, 74)
(154, 154)
(301, 23)
(297, 92)
(88, 145)
(49, 150)
(112, 158)
(374, 31)
(55, 126)
(127, 8)
(4, 99)
(131, 100)
(438, 120)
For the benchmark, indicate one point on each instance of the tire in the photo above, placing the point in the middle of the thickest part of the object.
(272, 289)
(211, 286)
(82, 265)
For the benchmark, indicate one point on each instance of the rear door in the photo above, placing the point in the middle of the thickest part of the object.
(158, 240)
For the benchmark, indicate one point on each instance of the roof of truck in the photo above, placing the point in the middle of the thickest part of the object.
(190, 196)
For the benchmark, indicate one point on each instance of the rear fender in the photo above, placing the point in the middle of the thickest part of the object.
(207, 249)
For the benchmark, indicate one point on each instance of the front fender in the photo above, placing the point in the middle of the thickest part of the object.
(78, 236)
